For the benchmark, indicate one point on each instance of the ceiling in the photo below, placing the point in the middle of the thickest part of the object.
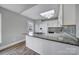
(32, 10)
(17, 7)
(35, 11)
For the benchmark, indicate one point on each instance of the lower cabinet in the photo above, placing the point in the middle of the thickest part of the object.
(47, 47)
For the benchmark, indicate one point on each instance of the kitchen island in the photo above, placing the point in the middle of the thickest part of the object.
(52, 44)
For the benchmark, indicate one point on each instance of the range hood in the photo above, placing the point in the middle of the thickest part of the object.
(54, 29)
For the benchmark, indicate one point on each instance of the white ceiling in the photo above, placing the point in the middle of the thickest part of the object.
(32, 10)
(35, 11)
(17, 7)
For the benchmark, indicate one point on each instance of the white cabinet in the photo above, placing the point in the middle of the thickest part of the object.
(0, 28)
(36, 27)
(47, 47)
(42, 25)
(69, 14)
(77, 21)
(52, 23)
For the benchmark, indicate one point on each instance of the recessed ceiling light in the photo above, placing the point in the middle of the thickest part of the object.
(48, 14)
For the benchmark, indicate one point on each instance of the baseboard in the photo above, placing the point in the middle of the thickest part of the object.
(11, 44)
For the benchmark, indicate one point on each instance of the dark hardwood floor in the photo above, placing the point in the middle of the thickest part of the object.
(18, 49)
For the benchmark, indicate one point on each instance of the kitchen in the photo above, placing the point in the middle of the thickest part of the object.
(47, 29)
(43, 29)
(51, 33)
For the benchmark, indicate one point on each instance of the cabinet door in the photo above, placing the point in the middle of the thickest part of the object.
(0, 28)
(77, 21)
(69, 14)
(52, 23)
(47, 47)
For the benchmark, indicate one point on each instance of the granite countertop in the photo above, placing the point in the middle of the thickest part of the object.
(58, 37)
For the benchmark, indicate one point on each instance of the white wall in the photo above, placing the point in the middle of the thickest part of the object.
(60, 16)
(69, 14)
(13, 25)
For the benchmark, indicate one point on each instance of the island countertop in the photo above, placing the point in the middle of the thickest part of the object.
(58, 37)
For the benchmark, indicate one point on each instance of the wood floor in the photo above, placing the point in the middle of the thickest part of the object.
(18, 49)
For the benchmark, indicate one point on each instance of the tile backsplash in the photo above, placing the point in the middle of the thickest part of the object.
(70, 29)
(54, 29)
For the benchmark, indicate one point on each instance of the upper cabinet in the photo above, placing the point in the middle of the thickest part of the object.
(77, 20)
(0, 28)
(68, 14)
(52, 23)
